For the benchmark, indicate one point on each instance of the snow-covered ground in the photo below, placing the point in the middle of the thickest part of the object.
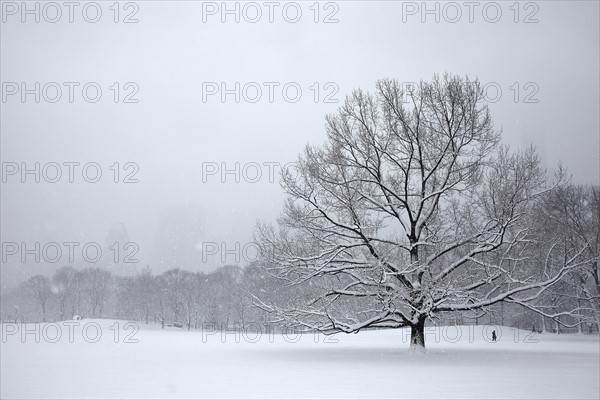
(461, 362)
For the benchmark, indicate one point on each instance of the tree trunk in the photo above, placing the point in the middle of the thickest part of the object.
(417, 331)
(417, 337)
(62, 309)
(580, 319)
(544, 329)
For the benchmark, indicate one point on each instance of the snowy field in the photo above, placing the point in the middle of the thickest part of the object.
(461, 362)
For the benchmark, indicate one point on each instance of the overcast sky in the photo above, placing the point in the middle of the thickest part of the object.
(176, 57)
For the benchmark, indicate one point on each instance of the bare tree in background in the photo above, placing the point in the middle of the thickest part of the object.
(64, 281)
(411, 207)
(96, 283)
(40, 287)
(160, 299)
(144, 286)
(192, 292)
(175, 280)
(567, 219)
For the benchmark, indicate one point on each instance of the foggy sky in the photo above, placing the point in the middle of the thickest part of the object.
(172, 213)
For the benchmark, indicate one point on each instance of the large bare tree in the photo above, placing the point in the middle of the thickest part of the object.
(412, 207)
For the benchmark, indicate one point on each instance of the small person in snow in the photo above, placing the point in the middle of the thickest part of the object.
(494, 337)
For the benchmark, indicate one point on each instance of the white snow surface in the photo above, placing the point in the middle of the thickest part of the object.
(461, 362)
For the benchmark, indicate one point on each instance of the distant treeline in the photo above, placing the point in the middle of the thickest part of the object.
(224, 299)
